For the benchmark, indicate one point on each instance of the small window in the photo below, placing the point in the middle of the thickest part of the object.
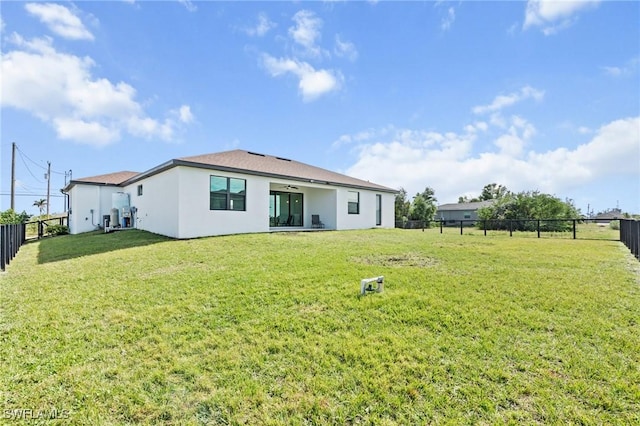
(139, 190)
(467, 215)
(227, 193)
(353, 199)
(378, 209)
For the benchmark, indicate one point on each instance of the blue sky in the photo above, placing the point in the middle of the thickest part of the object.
(532, 95)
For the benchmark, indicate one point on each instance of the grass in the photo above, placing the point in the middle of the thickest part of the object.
(133, 328)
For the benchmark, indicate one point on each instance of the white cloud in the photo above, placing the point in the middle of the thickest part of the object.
(414, 159)
(59, 89)
(345, 49)
(185, 115)
(306, 32)
(81, 130)
(60, 20)
(312, 83)
(621, 71)
(554, 15)
(503, 101)
(448, 20)
(478, 126)
(263, 26)
(188, 4)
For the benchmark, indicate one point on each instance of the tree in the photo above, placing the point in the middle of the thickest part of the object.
(429, 195)
(424, 205)
(402, 205)
(9, 217)
(466, 199)
(493, 191)
(528, 205)
(40, 204)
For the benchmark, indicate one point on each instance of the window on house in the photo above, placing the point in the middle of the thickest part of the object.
(227, 193)
(353, 200)
(139, 190)
(378, 209)
(467, 215)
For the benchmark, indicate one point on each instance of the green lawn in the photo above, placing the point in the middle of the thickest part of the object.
(130, 328)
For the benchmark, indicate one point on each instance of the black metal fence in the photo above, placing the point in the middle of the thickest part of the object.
(510, 225)
(11, 238)
(42, 225)
(630, 235)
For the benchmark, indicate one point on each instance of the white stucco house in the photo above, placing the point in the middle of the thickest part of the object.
(230, 192)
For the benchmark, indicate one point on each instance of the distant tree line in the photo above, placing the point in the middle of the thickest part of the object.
(529, 205)
(507, 206)
(509, 209)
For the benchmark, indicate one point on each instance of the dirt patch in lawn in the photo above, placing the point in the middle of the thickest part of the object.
(397, 260)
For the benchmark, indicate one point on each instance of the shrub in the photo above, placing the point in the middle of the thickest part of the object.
(57, 230)
(614, 224)
(9, 216)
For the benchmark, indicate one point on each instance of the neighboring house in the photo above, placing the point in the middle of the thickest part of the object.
(229, 192)
(452, 213)
(608, 216)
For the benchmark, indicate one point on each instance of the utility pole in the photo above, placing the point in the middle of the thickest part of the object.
(13, 176)
(48, 185)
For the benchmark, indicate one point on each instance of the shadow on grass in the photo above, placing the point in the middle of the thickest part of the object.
(65, 247)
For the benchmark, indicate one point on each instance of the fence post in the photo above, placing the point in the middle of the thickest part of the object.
(574, 229)
(460, 227)
(538, 227)
(3, 251)
(484, 225)
(441, 226)
(511, 227)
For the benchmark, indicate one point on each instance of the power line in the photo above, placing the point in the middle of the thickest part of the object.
(28, 158)
(36, 163)
(31, 195)
(27, 167)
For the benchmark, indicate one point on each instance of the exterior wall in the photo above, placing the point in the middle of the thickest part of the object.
(457, 215)
(388, 210)
(322, 202)
(175, 203)
(366, 218)
(157, 207)
(83, 199)
(197, 220)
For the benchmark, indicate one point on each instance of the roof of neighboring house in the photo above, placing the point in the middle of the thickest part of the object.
(247, 162)
(107, 179)
(611, 214)
(465, 206)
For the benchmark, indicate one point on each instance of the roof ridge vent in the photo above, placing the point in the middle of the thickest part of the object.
(255, 153)
(283, 159)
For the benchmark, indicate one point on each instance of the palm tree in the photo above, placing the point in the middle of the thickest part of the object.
(40, 204)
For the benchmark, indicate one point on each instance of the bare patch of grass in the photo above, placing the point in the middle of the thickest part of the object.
(397, 260)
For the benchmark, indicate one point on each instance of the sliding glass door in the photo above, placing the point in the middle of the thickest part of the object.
(285, 209)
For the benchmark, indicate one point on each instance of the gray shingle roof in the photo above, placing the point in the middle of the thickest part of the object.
(267, 165)
(108, 179)
(241, 161)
